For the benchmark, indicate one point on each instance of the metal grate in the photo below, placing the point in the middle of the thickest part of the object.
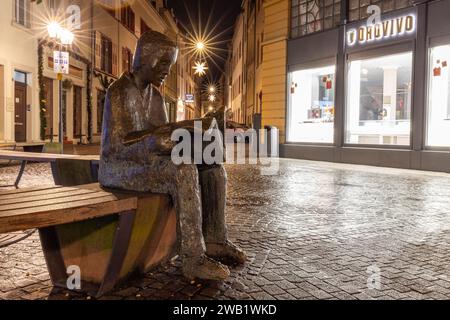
(358, 8)
(309, 16)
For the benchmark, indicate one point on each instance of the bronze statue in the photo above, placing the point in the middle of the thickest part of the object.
(135, 156)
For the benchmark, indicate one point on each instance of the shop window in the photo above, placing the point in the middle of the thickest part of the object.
(311, 105)
(439, 98)
(379, 101)
(358, 8)
(308, 16)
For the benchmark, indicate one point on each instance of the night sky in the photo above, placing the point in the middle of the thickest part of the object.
(221, 13)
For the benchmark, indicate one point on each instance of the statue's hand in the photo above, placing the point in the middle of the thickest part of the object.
(160, 145)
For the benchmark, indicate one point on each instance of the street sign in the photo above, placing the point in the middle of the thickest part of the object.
(61, 62)
(189, 98)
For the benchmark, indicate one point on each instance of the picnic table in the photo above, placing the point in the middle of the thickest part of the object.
(108, 235)
(79, 165)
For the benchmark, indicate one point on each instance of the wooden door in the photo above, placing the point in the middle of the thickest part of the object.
(20, 112)
(77, 111)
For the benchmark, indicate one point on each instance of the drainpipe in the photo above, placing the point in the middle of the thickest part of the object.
(91, 130)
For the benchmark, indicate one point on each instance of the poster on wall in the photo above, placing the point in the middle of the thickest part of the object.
(61, 62)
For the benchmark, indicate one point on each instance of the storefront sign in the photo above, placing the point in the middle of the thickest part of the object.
(61, 62)
(189, 98)
(386, 29)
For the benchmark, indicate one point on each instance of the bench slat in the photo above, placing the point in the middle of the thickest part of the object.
(42, 157)
(48, 196)
(64, 213)
(48, 202)
(21, 193)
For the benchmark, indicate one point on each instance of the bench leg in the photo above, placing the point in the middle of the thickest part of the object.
(119, 252)
(21, 171)
(53, 256)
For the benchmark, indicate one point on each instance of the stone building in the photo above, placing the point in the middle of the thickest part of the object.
(344, 84)
(104, 41)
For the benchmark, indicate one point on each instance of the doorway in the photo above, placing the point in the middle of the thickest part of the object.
(20, 111)
(48, 83)
(77, 112)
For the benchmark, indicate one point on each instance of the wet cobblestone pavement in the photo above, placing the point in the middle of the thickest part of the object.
(315, 231)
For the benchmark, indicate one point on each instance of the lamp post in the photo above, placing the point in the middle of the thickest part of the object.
(62, 37)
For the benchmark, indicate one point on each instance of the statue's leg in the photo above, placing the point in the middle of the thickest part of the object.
(213, 182)
(187, 201)
(186, 195)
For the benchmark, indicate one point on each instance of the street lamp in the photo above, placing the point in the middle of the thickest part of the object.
(200, 45)
(200, 68)
(212, 89)
(62, 37)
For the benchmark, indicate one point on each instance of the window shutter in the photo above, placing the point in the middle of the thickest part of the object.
(124, 59)
(115, 62)
(98, 50)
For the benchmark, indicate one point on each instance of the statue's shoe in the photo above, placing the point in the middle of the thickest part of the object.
(227, 252)
(205, 268)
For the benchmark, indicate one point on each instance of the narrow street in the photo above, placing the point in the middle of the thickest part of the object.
(315, 231)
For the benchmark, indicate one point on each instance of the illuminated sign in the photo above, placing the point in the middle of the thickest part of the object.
(387, 29)
(189, 98)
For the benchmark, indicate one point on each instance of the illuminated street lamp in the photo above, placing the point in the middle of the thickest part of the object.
(54, 30)
(200, 68)
(212, 89)
(200, 46)
(62, 37)
(212, 98)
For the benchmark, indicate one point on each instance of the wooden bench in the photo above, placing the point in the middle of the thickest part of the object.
(77, 167)
(109, 235)
(27, 147)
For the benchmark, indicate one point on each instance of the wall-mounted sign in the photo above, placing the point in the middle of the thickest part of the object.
(386, 29)
(189, 98)
(61, 62)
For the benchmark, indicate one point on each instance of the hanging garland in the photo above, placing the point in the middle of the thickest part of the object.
(42, 95)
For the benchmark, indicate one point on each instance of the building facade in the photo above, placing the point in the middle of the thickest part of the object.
(344, 84)
(102, 50)
(237, 72)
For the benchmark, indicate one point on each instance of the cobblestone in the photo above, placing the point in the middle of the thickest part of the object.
(315, 231)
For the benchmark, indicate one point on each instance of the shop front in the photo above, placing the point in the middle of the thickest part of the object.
(373, 93)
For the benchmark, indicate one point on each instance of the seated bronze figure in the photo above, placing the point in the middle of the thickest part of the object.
(135, 156)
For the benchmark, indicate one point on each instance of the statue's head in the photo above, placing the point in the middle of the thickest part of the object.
(155, 54)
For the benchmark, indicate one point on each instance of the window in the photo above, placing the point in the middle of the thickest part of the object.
(379, 101)
(311, 105)
(127, 59)
(101, 96)
(20, 77)
(308, 16)
(106, 55)
(144, 27)
(22, 12)
(358, 8)
(438, 133)
(127, 16)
